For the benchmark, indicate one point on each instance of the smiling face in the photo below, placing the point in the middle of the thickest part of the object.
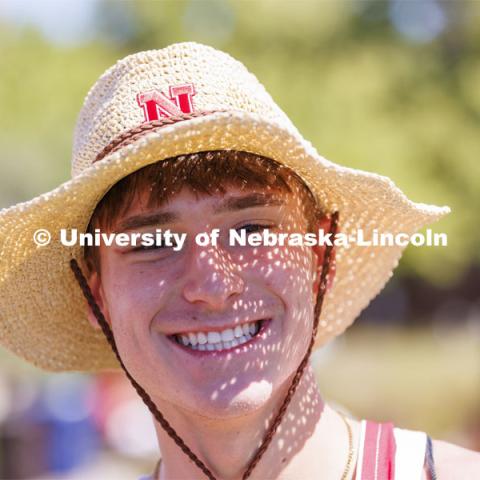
(216, 330)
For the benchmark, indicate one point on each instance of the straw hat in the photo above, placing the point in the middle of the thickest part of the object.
(154, 105)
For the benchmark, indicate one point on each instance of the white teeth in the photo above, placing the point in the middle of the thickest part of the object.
(228, 338)
(238, 331)
(227, 335)
(214, 337)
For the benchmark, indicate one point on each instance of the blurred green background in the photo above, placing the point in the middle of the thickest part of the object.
(386, 86)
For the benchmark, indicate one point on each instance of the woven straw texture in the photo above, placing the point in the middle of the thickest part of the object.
(43, 315)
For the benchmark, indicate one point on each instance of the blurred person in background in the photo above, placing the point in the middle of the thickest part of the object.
(215, 340)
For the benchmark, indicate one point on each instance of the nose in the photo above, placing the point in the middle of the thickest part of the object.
(213, 278)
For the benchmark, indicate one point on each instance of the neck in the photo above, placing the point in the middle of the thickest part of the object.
(311, 440)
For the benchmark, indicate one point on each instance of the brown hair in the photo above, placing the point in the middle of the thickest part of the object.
(204, 173)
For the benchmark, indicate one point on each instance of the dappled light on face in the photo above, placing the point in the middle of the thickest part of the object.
(235, 320)
(229, 287)
(213, 280)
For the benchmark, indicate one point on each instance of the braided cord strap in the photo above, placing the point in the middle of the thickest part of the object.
(429, 459)
(141, 392)
(130, 136)
(149, 402)
(301, 368)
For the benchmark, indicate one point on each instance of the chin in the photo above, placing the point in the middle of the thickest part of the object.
(230, 403)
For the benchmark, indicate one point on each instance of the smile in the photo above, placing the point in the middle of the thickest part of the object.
(219, 340)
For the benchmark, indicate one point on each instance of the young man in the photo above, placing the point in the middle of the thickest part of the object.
(215, 336)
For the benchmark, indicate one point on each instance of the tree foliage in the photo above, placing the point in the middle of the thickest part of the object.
(364, 94)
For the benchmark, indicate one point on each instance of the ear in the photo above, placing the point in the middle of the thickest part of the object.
(95, 284)
(319, 255)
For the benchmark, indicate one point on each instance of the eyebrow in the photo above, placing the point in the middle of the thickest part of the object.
(231, 204)
(146, 220)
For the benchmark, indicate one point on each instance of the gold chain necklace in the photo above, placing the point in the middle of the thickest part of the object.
(350, 446)
(346, 471)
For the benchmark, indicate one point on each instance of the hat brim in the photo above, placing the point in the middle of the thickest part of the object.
(43, 314)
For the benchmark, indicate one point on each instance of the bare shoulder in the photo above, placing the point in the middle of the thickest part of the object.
(453, 462)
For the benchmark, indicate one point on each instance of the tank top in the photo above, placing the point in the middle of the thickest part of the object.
(391, 453)
(386, 452)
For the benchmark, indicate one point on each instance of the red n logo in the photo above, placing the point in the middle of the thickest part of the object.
(156, 104)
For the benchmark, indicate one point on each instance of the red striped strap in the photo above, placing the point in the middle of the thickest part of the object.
(377, 453)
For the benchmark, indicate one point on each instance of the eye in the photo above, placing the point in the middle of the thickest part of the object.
(148, 248)
(253, 227)
(154, 247)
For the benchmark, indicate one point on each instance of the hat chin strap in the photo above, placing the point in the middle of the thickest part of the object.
(149, 402)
